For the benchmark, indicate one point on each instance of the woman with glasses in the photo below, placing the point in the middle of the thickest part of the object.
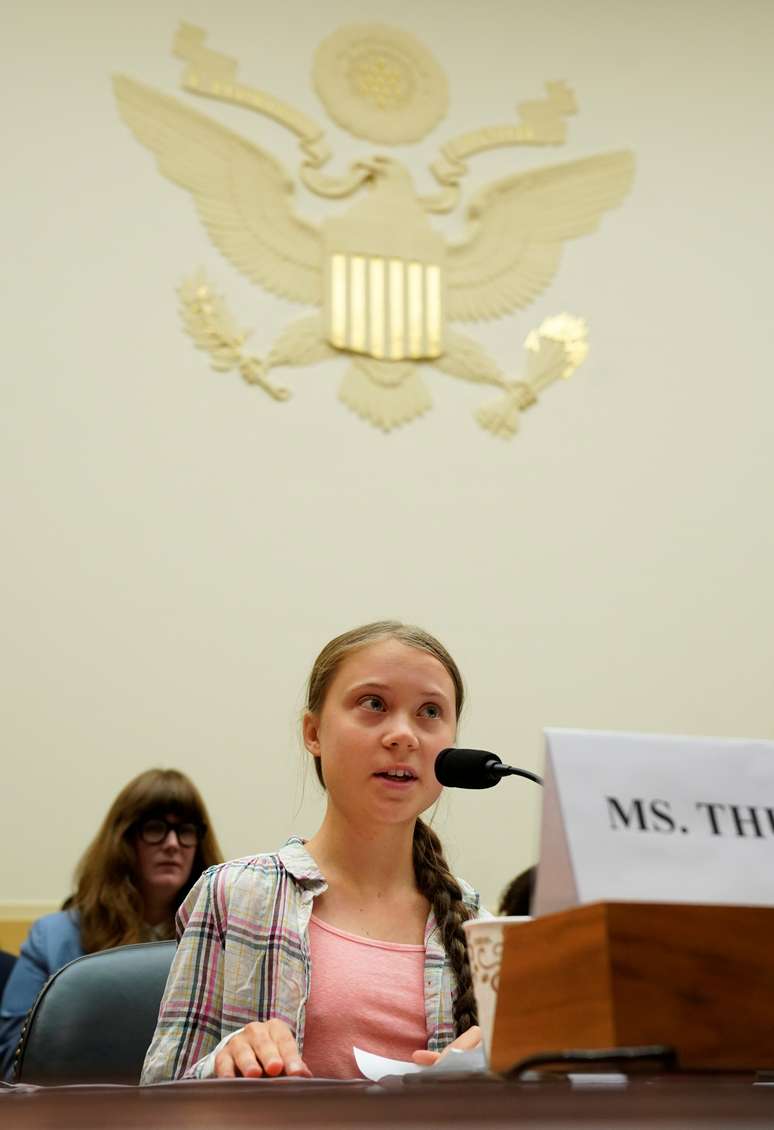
(152, 847)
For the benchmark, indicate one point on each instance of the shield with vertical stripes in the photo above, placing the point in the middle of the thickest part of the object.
(384, 277)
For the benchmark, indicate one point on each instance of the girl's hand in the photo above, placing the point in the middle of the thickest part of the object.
(261, 1049)
(464, 1043)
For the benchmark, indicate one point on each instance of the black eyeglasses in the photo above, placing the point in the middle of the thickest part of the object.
(155, 830)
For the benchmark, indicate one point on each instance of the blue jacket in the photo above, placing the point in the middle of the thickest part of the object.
(52, 941)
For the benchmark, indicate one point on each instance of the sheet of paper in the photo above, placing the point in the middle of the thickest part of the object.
(458, 1062)
(376, 1067)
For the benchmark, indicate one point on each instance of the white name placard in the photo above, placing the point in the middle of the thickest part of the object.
(655, 818)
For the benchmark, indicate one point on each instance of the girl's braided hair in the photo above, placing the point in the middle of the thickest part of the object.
(434, 879)
(442, 891)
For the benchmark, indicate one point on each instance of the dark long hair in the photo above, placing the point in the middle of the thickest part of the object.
(434, 879)
(106, 894)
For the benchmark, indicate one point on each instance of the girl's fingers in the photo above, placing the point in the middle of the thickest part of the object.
(224, 1066)
(261, 1049)
(463, 1043)
(265, 1049)
(288, 1049)
(469, 1039)
(237, 1058)
(245, 1060)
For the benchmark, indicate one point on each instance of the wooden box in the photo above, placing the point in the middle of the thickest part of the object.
(697, 978)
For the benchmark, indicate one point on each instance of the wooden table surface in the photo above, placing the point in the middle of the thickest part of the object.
(661, 1101)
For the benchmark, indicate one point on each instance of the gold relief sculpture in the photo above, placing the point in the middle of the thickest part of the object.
(380, 83)
(209, 323)
(383, 281)
(388, 393)
(386, 283)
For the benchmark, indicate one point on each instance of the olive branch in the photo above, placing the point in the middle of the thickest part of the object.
(554, 351)
(210, 324)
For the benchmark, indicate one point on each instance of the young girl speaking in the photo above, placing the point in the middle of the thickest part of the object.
(354, 937)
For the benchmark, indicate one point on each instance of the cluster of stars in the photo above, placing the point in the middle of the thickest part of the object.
(381, 81)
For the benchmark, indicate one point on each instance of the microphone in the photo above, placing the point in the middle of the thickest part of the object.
(475, 769)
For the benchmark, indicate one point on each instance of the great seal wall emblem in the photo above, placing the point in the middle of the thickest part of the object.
(386, 283)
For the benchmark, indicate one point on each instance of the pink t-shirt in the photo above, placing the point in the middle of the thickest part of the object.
(364, 993)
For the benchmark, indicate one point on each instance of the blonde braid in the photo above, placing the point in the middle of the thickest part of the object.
(443, 892)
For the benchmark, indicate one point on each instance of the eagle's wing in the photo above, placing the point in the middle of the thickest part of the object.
(242, 193)
(518, 226)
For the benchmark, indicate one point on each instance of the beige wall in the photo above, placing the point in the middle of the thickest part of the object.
(177, 547)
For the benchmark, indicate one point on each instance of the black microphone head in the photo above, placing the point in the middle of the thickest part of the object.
(467, 768)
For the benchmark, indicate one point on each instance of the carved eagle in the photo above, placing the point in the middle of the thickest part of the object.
(516, 228)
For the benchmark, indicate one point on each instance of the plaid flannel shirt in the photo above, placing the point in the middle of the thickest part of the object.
(243, 955)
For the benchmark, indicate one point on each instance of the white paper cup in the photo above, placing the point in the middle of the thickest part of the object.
(485, 937)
